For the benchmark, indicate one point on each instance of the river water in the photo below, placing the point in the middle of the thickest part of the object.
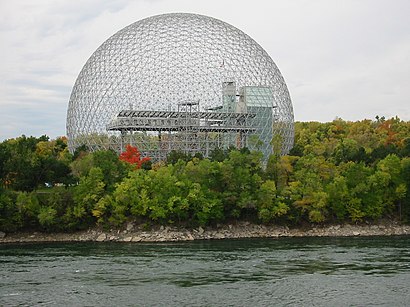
(254, 272)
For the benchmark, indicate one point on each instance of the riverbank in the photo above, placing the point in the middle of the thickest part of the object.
(134, 233)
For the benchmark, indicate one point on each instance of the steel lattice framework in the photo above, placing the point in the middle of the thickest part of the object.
(179, 81)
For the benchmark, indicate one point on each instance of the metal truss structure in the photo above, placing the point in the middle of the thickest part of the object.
(188, 130)
(180, 82)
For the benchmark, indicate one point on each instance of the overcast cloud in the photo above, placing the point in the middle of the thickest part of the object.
(348, 59)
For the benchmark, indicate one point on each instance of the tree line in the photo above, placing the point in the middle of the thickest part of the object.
(337, 172)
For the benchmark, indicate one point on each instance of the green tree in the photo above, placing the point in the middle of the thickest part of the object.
(11, 218)
(23, 170)
(280, 170)
(203, 178)
(174, 156)
(28, 205)
(217, 154)
(241, 178)
(27, 163)
(270, 207)
(112, 168)
(47, 217)
(404, 204)
(87, 194)
(339, 196)
(348, 150)
(131, 197)
(394, 188)
(405, 150)
(307, 191)
(5, 156)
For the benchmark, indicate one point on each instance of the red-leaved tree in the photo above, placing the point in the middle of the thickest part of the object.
(133, 156)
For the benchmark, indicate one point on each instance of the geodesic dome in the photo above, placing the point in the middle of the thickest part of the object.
(167, 61)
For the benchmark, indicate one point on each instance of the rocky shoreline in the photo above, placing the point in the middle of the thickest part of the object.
(134, 233)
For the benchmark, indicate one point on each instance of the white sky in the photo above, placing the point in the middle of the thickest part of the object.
(348, 59)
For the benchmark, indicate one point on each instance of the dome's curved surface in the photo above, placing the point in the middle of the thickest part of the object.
(158, 62)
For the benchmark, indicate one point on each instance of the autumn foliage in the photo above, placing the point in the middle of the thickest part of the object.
(133, 156)
(337, 172)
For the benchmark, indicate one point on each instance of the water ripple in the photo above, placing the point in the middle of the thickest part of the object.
(260, 272)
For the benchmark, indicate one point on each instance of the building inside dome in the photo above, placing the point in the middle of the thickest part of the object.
(182, 82)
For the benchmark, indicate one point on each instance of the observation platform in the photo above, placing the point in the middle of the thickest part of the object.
(193, 121)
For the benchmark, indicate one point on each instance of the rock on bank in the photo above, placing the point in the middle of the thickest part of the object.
(134, 233)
